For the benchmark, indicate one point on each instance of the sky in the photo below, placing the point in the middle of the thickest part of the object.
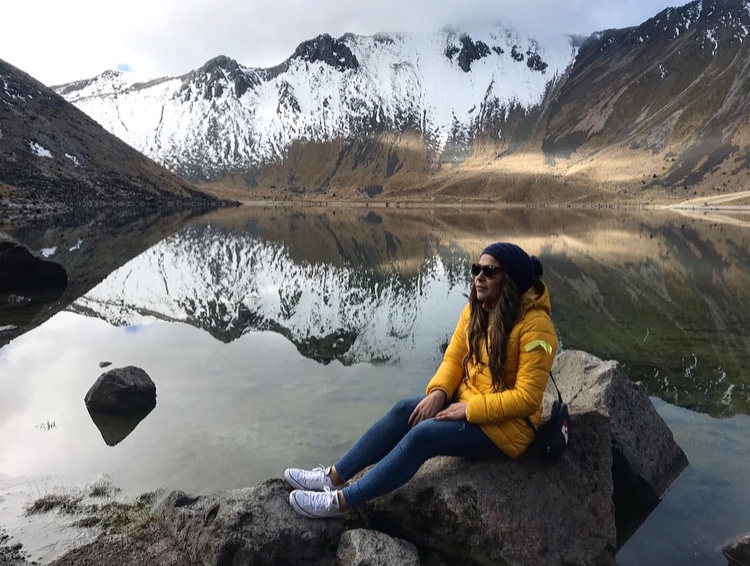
(58, 42)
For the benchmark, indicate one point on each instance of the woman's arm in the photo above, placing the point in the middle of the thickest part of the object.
(534, 364)
(451, 371)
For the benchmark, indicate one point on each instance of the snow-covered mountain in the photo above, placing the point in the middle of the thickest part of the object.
(223, 117)
(656, 110)
(230, 284)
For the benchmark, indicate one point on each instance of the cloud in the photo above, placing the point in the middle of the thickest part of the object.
(64, 41)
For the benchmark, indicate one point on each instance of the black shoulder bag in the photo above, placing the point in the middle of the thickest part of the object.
(553, 435)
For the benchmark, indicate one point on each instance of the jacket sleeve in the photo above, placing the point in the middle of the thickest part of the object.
(450, 372)
(534, 364)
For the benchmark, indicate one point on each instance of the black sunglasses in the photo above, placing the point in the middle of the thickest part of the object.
(489, 271)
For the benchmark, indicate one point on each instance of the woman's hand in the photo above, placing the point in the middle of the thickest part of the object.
(428, 407)
(453, 412)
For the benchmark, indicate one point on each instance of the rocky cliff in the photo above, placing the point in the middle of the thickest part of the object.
(54, 158)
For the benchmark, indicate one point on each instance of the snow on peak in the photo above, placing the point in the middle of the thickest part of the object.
(224, 116)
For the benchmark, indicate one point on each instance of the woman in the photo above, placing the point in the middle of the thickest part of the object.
(476, 405)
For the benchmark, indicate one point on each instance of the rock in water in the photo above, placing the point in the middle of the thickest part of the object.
(122, 390)
(738, 554)
(24, 270)
(646, 458)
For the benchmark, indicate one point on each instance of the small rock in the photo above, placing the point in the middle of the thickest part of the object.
(363, 547)
(738, 554)
(18, 300)
(104, 364)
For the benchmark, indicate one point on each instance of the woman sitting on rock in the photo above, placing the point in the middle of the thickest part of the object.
(476, 405)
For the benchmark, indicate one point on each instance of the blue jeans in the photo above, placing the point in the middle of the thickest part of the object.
(398, 450)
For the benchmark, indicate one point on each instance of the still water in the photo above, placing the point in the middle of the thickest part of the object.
(276, 336)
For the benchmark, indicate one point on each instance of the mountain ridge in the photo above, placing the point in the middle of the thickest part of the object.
(54, 158)
(335, 89)
(480, 115)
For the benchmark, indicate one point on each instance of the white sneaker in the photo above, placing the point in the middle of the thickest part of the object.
(316, 504)
(311, 480)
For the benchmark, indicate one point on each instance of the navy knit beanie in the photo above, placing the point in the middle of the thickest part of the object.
(523, 269)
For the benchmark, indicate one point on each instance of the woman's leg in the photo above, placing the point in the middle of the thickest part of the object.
(428, 439)
(379, 439)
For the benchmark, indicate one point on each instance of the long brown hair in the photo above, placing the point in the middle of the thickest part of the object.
(494, 326)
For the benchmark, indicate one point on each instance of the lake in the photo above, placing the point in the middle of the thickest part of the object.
(276, 336)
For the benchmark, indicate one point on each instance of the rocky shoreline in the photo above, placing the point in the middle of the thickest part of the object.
(620, 461)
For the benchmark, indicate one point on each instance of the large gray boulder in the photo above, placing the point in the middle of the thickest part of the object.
(507, 511)
(620, 461)
(646, 458)
(23, 270)
(124, 390)
(363, 547)
(248, 527)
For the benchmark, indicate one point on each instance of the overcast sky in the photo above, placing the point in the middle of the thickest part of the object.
(59, 41)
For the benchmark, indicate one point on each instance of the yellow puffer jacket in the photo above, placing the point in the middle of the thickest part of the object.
(531, 350)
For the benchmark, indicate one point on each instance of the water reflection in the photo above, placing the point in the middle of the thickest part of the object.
(89, 245)
(238, 313)
(115, 428)
(668, 296)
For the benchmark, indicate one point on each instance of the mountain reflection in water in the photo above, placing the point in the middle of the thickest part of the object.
(279, 335)
(666, 295)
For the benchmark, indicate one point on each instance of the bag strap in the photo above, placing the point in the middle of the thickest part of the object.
(534, 429)
(559, 395)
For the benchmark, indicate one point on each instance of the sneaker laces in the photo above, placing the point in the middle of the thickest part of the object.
(325, 499)
(314, 474)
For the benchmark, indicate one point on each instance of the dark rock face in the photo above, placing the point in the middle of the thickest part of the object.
(331, 51)
(10, 554)
(253, 526)
(24, 270)
(534, 61)
(646, 459)
(209, 78)
(122, 390)
(56, 159)
(471, 51)
(738, 554)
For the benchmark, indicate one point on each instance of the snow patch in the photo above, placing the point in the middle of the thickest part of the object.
(39, 150)
(77, 246)
(712, 38)
(74, 159)
(48, 252)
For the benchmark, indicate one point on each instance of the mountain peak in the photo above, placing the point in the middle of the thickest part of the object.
(217, 75)
(333, 52)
